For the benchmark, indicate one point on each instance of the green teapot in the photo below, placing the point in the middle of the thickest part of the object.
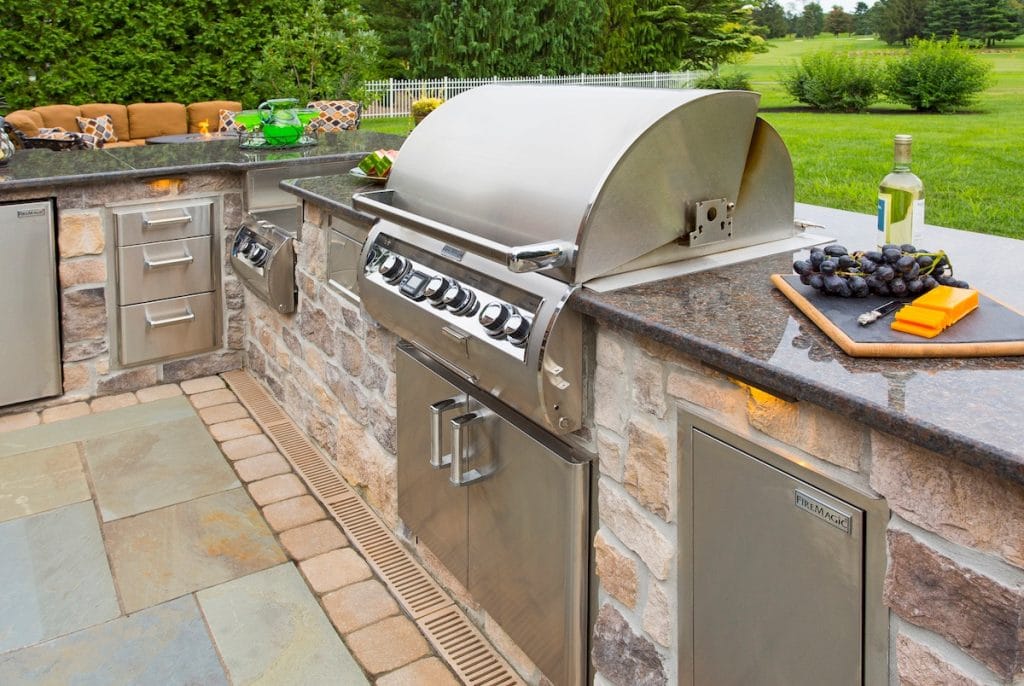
(280, 121)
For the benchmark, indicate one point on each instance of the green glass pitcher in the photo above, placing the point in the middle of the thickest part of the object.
(280, 121)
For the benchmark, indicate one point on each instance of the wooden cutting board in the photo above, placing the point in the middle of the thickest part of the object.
(991, 330)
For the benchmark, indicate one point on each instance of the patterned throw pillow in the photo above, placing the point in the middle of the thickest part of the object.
(61, 134)
(102, 127)
(228, 123)
(335, 115)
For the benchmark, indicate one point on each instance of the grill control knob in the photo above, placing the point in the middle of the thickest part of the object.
(436, 288)
(393, 268)
(258, 254)
(517, 329)
(460, 300)
(493, 317)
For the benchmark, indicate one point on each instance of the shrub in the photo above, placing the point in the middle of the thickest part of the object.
(737, 81)
(834, 81)
(422, 107)
(936, 76)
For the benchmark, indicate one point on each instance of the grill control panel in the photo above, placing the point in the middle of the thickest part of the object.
(481, 308)
(263, 257)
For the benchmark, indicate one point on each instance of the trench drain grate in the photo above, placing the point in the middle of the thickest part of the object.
(457, 641)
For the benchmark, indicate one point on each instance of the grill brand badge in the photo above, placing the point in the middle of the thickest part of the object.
(453, 253)
(808, 503)
(37, 212)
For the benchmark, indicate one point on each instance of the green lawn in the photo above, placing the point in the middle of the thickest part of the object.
(971, 163)
(397, 125)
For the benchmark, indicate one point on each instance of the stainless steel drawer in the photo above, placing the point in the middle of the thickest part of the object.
(167, 328)
(164, 270)
(163, 222)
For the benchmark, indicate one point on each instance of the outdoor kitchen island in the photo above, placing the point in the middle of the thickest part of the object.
(116, 212)
(720, 355)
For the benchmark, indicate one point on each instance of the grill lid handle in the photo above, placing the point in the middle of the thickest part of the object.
(519, 259)
(536, 256)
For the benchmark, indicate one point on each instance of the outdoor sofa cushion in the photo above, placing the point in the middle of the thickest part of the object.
(209, 112)
(60, 115)
(151, 119)
(26, 121)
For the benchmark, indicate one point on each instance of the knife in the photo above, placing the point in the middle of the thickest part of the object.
(879, 312)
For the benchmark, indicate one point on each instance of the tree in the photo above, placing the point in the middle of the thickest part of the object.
(838, 21)
(474, 38)
(573, 30)
(772, 17)
(393, 22)
(993, 20)
(629, 43)
(703, 34)
(811, 21)
(900, 20)
(862, 20)
(320, 54)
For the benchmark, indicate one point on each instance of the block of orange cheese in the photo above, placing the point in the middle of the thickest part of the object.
(954, 302)
(934, 311)
(916, 329)
(922, 316)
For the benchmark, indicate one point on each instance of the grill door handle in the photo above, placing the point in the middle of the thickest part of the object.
(437, 412)
(169, 321)
(170, 262)
(148, 223)
(460, 476)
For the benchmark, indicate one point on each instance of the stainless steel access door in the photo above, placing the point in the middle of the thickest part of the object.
(778, 576)
(30, 365)
(433, 509)
(517, 537)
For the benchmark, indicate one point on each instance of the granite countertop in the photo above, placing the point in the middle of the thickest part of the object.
(733, 319)
(334, 193)
(39, 168)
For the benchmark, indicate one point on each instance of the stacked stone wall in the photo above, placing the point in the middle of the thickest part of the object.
(333, 370)
(955, 569)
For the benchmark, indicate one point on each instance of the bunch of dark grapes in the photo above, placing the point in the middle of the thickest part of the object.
(895, 270)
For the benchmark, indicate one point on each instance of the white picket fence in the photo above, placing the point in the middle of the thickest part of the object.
(393, 97)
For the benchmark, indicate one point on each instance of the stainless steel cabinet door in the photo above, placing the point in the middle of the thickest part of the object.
(528, 524)
(30, 366)
(778, 576)
(433, 509)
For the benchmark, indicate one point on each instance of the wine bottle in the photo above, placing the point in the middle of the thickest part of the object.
(900, 200)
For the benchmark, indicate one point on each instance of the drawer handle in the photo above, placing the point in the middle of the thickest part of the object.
(170, 262)
(148, 223)
(180, 319)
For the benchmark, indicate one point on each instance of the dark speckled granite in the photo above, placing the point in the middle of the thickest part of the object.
(44, 168)
(732, 318)
(334, 193)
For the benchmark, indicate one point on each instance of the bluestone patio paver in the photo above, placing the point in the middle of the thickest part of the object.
(270, 630)
(41, 480)
(160, 646)
(54, 578)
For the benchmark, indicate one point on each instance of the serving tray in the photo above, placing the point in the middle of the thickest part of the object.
(991, 330)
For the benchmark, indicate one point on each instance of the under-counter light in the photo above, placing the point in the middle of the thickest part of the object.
(165, 185)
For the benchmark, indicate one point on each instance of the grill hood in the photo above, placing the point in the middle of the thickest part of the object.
(623, 178)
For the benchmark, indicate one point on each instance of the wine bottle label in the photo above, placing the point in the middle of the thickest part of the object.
(884, 200)
(917, 220)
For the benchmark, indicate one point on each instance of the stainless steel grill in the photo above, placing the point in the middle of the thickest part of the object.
(507, 198)
(502, 203)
